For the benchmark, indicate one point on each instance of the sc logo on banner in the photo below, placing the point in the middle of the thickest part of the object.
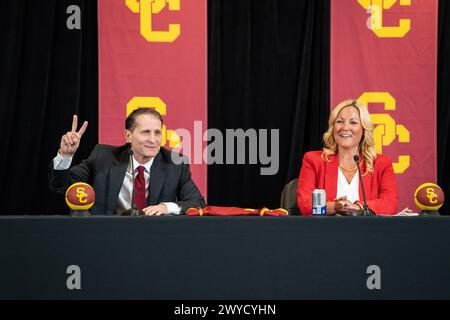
(386, 129)
(376, 10)
(147, 9)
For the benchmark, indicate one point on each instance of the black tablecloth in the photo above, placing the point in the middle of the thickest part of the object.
(224, 257)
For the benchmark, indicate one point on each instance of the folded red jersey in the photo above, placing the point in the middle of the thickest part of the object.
(235, 211)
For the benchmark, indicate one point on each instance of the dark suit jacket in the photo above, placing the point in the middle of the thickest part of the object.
(105, 170)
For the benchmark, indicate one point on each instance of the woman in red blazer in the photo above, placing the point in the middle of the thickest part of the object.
(350, 132)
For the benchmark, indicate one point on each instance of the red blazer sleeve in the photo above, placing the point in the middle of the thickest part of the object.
(386, 202)
(306, 185)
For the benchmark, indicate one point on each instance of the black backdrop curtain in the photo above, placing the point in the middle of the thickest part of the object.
(48, 73)
(443, 102)
(268, 69)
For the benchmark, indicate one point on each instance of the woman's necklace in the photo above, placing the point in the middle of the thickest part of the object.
(345, 169)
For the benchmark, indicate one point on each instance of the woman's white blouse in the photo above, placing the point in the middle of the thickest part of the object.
(351, 190)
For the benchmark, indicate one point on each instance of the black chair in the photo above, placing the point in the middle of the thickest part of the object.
(289, 198)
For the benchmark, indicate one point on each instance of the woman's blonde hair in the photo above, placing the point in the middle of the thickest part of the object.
(366, 147)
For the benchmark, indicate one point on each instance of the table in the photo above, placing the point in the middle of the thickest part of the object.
(224, 257)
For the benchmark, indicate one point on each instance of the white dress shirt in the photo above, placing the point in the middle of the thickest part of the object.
(351, 190)
(61, 162)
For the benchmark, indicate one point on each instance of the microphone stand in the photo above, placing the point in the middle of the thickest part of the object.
(133, 211)
(366, 211)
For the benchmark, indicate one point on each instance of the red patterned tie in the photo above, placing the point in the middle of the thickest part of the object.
(139, 188)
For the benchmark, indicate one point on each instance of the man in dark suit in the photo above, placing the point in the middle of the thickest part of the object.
(161, 185)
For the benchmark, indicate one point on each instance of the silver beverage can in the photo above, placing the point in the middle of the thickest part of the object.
(319, 202)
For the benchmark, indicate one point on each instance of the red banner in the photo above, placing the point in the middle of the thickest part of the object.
(153, 53)
(384, 53)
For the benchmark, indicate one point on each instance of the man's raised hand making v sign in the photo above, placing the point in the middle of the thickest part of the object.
(71, 140)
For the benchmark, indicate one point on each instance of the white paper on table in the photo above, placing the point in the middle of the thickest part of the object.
(407, 213)
(404, 213)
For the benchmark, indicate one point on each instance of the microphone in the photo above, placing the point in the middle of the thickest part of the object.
(366, 211)
(133, 211)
